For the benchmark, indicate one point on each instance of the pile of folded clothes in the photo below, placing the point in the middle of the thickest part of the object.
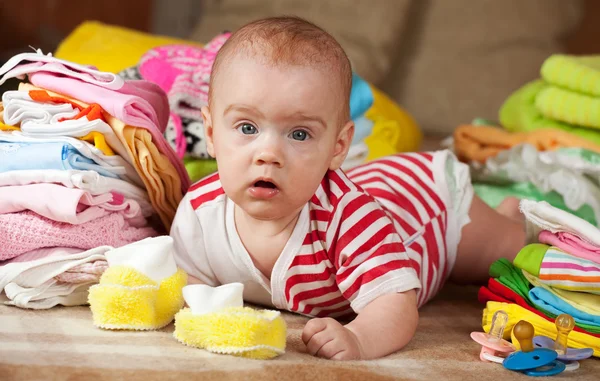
(547, 143)
(557, 274)
(84, 168)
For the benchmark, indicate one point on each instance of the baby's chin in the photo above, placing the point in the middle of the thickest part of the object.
(267, 210)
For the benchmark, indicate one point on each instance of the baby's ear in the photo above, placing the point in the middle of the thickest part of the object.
(342, 145)
(208, 130)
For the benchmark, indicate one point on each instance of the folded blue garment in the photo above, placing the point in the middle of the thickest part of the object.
(45, 155)
(546, 301)
(361, 97)
(362, 128)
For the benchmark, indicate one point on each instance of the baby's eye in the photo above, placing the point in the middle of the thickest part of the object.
(300, 135)
(247, 129)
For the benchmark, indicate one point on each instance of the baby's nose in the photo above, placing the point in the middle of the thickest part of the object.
(269, 156)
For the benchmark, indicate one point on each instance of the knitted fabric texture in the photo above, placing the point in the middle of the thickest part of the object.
(26, 231)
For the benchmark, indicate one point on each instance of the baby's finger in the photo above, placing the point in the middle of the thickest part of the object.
(313, 327)
(317, 341)
(330, 349)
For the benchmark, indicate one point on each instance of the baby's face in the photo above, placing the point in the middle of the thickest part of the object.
(274, 133)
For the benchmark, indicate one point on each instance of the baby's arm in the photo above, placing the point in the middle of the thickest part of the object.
(384, 326)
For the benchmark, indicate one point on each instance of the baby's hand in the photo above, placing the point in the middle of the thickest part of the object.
(329, 339)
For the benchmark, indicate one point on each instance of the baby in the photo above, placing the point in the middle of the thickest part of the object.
(281, 217)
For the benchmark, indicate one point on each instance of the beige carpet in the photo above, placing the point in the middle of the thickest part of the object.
(62, 344)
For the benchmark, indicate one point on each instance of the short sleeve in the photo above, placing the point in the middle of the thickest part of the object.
(188, 241)
(367, 251)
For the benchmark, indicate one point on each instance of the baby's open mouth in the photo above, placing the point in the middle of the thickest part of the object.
(264, 184)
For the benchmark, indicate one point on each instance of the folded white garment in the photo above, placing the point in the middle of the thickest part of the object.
(542, 216)
(30, 276)
(357, 155)
(89, 181)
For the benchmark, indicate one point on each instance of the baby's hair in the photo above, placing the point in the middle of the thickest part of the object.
(289, 41)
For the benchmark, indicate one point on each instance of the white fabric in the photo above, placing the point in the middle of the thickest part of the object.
(357, 155)
(20, 108)
(203, 299)
(115, 164)
(571, 176)
(543, 216)
(39, 119)
(76, 128)
(151, 256)
(29, 277)
(48, 295)
(89, 181)
(52, 64)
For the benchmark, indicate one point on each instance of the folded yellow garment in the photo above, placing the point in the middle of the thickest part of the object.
(542, 326)
(6, 127)
(394, 130)
(99, 141)
(478, 143)
(158, 173)
(238, 331)
(96, 138)
(127, 299)
(108, 47)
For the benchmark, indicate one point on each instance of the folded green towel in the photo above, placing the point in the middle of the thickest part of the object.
(519, 113)
(568, 106)
(580, 74)
(573, 91)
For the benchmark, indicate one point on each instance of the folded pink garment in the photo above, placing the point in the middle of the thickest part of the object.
(84, 273)
(571, 244)
(138, 103)
(62, 204)
(29, 62)
(183, 72)
(26, 231)
(169, 64)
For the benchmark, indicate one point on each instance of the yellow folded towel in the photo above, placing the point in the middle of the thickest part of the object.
(128, 299)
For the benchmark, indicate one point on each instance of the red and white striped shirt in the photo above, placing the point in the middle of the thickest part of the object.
(380, 228)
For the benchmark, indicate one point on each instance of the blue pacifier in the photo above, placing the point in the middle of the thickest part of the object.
(564, 326)
(530, 361)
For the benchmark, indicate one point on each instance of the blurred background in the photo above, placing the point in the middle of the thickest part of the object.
(445, 62)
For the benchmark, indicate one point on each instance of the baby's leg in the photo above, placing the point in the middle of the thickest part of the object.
(491, 234)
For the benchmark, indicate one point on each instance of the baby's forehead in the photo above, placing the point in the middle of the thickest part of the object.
(243, 61)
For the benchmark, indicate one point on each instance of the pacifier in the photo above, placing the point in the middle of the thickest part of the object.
(564, 326)
(530, 361)
(493, 347)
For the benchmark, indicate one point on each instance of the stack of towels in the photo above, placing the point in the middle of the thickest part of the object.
(544, 128)
(84, 168)
(559, 273)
